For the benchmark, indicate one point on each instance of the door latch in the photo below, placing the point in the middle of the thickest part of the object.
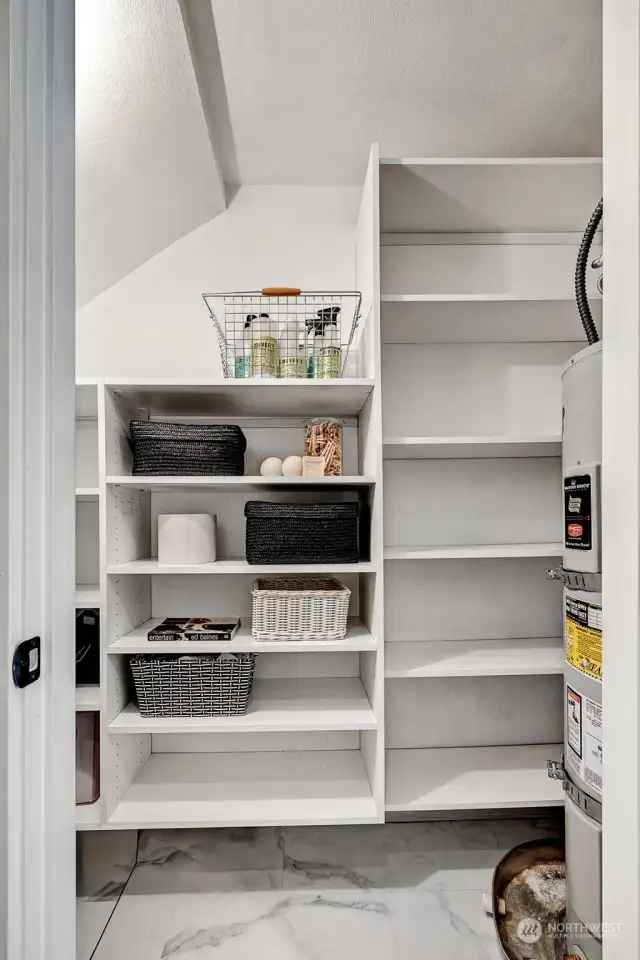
(26, 662)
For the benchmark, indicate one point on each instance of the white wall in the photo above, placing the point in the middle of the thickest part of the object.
(154, 321)
(312, 83)
(145, 171)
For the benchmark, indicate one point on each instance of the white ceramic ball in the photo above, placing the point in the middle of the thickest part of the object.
(292, 467)
(271, 467)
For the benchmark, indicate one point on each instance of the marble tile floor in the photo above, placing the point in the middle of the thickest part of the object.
(401, 891)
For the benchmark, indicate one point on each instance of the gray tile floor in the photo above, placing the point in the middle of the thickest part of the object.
(396, 892)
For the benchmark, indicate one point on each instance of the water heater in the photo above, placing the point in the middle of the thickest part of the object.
(582, 600)
(581, 575)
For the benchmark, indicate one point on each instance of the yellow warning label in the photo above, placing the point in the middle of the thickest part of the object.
(583, 644)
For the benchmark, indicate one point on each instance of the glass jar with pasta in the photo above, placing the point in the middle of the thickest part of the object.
(324, 439)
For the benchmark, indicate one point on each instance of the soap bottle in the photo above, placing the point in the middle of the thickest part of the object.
(329, 349)
(313, 333)
(293, 359)
(264, 347)
(242, 350)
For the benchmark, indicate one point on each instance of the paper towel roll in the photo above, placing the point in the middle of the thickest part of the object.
(185, 538)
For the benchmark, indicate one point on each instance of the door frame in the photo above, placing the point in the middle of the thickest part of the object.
(37, 497)
(621, 479)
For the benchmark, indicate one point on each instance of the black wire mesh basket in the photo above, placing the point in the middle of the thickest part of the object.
(292, 335)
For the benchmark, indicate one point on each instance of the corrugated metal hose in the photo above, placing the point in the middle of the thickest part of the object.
(581, 276)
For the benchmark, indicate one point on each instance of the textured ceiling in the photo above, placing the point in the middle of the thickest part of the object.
(290, 92)
(145, 171)
(311, 83)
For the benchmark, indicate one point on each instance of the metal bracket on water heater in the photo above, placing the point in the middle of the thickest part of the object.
(592, 808)
(591, 582)
(555, 770)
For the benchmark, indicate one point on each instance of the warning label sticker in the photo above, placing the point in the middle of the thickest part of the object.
(577, 512)
(593, 744)
(583, 637)
(584, 739)
(574, 721)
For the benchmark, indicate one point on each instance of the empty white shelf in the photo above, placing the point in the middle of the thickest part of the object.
(88, 816)
(248, 789)
(277, 706)
(441, 448)
(88, 696)
(477, 778)
(506, 319)
(474, 658)
(87, 595)
(152, 567)
(474, 551)
(84, 494)
(487, 195)
(468, 297)
(357, 638)
(237, 484)
(263, 398)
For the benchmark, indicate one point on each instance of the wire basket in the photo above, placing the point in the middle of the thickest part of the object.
(301, 608)
(293, 335)
(193, 686)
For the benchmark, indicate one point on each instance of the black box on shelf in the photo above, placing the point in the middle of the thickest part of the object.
(87, 646)
(187, 449)
(302, 532)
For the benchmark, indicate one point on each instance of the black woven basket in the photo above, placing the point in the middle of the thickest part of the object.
(193, 686)
(302, 532)
(187, 449)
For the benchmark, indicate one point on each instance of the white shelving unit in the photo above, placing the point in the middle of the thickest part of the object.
(262, 788)
(475, 658)
(244, 398)
(86, 494)
(277, 706)
(463, 297)
(88, 696)
(479, 778)
(474, 551)
(466, 270)
(151, 567)
(88, 595)
(88, 592)
(88, 816)
(477, 320)
(461, 448)
(310, 748)
(358, 639)
(244, 484)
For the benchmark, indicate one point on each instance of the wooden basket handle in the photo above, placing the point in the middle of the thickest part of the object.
(280, 292)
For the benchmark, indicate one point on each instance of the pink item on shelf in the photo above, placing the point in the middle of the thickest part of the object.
(87, 757)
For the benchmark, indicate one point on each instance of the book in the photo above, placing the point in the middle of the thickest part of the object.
(195, 628)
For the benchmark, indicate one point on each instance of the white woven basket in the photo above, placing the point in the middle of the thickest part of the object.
(300, 608)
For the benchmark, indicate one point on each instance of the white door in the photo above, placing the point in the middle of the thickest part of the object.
(37, 733)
